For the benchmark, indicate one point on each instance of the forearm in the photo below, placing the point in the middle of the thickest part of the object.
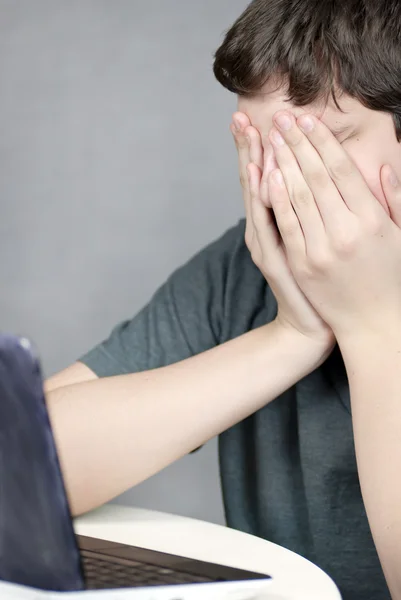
(115, 432)
(373, 364)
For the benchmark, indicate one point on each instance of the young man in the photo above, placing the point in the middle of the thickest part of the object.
(249, 326)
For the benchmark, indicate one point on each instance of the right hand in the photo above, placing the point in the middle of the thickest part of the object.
(264, 241)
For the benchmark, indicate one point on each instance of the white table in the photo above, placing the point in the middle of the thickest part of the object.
(295, 578)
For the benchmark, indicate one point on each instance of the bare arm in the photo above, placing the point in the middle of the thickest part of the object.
(373, 363)
(115, 432)
(76, 373)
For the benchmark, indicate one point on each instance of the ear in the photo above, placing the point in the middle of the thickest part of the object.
(392, 194)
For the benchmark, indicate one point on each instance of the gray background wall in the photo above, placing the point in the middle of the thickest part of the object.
(116, 166)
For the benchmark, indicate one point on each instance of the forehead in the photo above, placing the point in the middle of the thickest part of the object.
(262, 106)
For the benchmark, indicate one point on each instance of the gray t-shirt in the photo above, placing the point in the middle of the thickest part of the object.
(289, 471)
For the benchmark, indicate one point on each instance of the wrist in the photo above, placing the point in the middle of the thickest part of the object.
(314, 350)
(374, 337)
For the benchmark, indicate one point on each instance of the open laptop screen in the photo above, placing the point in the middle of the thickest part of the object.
(37, 543)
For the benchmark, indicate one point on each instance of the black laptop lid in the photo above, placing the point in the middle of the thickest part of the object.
(37, 542)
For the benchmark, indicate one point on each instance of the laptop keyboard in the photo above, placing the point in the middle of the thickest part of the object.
(107, 572)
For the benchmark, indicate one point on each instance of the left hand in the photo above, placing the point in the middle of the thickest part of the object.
(343, 248)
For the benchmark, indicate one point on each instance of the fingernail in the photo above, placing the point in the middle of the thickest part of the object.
(393, 179)
(306, 124)
(237, 125)
(284, 122)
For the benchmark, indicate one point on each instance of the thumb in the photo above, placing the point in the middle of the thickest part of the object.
(392, 191)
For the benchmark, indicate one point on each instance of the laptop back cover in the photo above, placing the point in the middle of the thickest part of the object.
(37, 542)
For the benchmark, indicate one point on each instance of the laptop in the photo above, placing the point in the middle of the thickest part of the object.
(38, 546)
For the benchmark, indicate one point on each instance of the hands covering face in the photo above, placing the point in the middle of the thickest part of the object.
(343, 249)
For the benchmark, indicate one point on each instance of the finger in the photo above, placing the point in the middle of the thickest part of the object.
(301, 198)
(269, 164)
(255, 146)
(241, 122)
(354, 191)
(243, 160)
(255, 152)
(286, 218)
(393, 195)
(263, 222)
(299, 157)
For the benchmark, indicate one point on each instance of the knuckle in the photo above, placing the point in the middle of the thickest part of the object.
(345, 245)
(256, 255)
(302, 197)
(248, 238)
(341, 169)
(319, 263)
(346, 240)
(290, 228)
(299, 140)
(318, 178)
(272, 271)
(243, 179)
(305, 271)
(373, 223)
(242, 143)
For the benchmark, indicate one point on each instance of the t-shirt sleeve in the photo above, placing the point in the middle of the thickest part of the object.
(184, 317)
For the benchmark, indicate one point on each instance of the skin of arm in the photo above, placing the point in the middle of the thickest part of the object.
(345, 253)
(113, 433)
(76, 373)
(373, 363)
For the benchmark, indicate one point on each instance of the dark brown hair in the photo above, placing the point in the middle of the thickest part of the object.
(315, 48)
